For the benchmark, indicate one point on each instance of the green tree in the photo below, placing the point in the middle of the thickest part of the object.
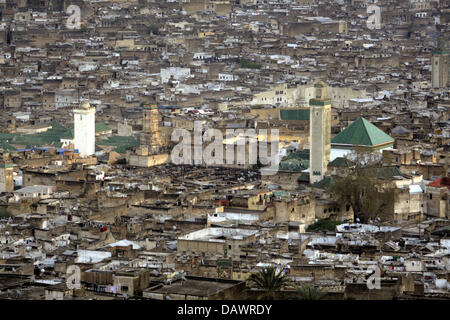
(310, 292)
(363, 186)
(268, 280)
(249, 64)
(324, 224)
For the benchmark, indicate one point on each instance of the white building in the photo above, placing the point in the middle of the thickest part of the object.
(84, 122)
(31, 192)
(175, 73)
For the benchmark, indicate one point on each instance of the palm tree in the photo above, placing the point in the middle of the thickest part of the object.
(310, 292)
(268, 280)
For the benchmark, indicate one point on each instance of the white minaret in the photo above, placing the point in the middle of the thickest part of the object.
(84, 122)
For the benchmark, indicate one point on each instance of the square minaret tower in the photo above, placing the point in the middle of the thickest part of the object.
(84, 122)
(320, 133)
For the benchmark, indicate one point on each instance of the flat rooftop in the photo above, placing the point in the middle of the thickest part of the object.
(195, 287)
(218, 234)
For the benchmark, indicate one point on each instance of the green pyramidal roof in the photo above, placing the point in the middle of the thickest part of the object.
(362, 133)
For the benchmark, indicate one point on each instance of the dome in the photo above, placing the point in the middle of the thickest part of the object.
(85, 105)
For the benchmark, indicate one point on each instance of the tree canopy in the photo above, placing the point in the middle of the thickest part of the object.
(363, 186)
(269, 280)
(310, 292)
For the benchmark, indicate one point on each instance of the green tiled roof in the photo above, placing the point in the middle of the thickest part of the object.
(295, 114)
(319, 102)
(389, 172)
(323, 184)
(341, 163)
(51, 137)
(121, 143)
(299, 154)
(294, 165)
(280, 193)
(99, 127)
(304, 177)
(362, 133)
(5, 140)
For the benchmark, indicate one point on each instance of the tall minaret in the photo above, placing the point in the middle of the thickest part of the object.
(6, 174)
(440, 66)
(320, 133)
(84, 122)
